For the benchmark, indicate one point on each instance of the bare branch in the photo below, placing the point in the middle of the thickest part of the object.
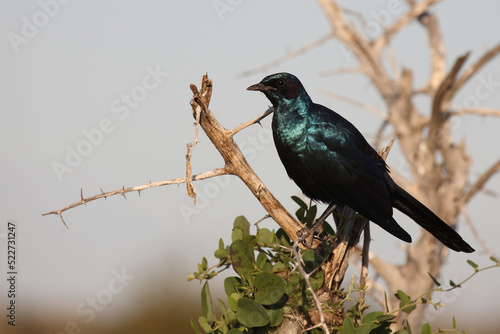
(367, 107)
(123, 190)
(472, 227)
(476, 111)
(415, 11)
(189, 174)
(337, 71)
(364, 265)
(322, 323)
(251, 122)
(289, 56)
(436, 46)
(483, 179)
(384, 151)
(474, 68)
(442, 96)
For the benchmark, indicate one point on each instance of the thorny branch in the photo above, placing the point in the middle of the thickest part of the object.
(322, 323)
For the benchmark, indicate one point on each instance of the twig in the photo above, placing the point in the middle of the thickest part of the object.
(367, 107)
(123, 190)
(251, 122)
(415, 11)
(322, 323)
(191, 190)
(476, 111)
(384, 151)
(290, 55)
(483, 179)
(474, 231)
(474, 68)
(364, 266)
(442, 96)
(189, 178)
(348, 70)
(436, 46)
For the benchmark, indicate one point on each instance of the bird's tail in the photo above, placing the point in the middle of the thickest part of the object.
(424, 217)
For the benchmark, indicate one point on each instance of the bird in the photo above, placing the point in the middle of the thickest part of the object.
(331, 162)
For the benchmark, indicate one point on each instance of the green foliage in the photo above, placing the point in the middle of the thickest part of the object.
(269, 286)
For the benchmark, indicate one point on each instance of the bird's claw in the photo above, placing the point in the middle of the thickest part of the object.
(308, 234)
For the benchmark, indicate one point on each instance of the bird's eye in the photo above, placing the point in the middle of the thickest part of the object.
(281, 83)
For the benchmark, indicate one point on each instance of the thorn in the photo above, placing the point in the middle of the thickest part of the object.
(60, 216)
(102, 192)
(81, 197)
(139, 193)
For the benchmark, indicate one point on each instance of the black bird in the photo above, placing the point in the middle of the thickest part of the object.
(331, 162)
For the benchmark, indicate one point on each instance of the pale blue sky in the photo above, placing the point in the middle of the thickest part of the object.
(74, 74)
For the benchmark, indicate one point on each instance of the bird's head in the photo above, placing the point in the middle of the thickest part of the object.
(281, 89)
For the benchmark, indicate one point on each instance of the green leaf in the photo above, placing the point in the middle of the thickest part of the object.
(454, 323)
(494, 259)
(234, 331)
(221, 253)
(236, 234)
(426, 329)
(261, 260)
(453, 283)
(275, 316)
(348, 327)
(207, 308)
(233, 303)
(221, 244)
(386, 304)
(408, 328)
(403, 297)
(242, 223)
(242, 258)
(270, 288)
(301, 214)
(317, 280)
(300, 202)
(435, 280)
(423, 300)
(365, 329)
(222, 306)
(311, 214)
(251, 313)
(232, 284)
(385, 317)
(283, 238)
(265, 238)
(371, 317)
(472, 264)
(193, 325)
(204, 324)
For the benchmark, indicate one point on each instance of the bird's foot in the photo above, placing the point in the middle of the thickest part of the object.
(308, 234)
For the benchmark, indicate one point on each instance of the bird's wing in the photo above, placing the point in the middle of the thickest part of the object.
(345, 165)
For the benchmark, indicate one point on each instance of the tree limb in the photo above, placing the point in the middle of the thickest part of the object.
(289, 56)
(415, 11)
(479, 184)
(123, 191)
(474, 68)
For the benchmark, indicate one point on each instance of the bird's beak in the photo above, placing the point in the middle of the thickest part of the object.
(258, 87)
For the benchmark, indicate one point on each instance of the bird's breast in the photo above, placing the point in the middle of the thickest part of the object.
(290, 131)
